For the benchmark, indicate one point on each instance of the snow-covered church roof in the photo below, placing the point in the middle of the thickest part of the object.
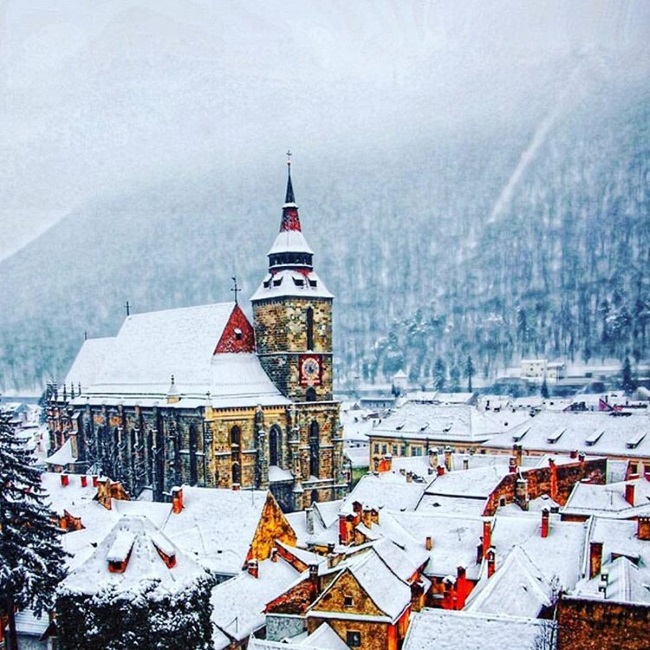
(206, 349)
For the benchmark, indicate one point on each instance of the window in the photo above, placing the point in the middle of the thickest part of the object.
(314, 448)
(236, 474)
(274, 445)
(310, 328)
(394, 451)
(353, 639)
(348, 601)
(310, 395)
(384, 449)
(235, 436)
(416, 451)
(238, 334)
(403, 450)
(376, 447)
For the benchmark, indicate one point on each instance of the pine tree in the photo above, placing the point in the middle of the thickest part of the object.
(31, 557)
(469, 373)
(627, 383)
(439, 374)
(544, 389)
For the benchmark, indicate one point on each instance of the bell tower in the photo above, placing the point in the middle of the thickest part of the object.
(292, 313)
(292, 316)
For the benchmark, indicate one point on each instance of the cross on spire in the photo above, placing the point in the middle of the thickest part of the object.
(235, 288)
(127, 306)
(289, 198)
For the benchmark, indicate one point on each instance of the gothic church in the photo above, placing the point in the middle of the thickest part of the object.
(200, 396)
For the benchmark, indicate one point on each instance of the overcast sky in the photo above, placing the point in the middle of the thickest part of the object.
(100, 95)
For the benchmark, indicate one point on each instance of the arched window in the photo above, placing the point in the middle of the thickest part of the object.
(314, 496)
(235, 436)
(314, 448)
(310, 395)
(194, 468)
(236, 473)
(310, 328)
(274, 445)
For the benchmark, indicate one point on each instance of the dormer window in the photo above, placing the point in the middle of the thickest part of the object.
(348, 601)
(277, 282)
(239, 335)
(313, 283)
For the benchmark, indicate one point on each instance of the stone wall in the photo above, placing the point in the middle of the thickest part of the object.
(556, 480)
(602, 625)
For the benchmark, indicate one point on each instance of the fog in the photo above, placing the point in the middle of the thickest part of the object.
(97, 98)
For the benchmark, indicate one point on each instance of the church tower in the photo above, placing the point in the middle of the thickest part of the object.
(292, 311)
(292, 316)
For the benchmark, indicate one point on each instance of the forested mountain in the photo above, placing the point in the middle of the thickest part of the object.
(456, 209)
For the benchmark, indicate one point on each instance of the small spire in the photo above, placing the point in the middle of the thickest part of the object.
(289, 198)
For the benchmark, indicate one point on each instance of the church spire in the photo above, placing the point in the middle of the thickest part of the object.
(289, 197)
(290, 218)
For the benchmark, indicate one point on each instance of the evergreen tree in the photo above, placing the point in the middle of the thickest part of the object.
(31, 557)
(544, 389)
(454, 376)
(627, 383)
(469, 372)
(439, 374)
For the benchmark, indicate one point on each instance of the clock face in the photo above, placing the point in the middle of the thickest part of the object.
(310, 370)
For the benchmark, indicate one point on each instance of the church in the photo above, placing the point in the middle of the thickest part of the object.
(201, 396)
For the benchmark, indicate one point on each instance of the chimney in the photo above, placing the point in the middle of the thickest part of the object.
(433, 457)
(313, 577)
(581, 458)
(546, 518)
(465, 462)
(448, 458)
(95, 481)
(491, 562)
(521, 493)
(253, 568)
(366, 518)
(574, 453)
(274, 554)
(65, 479)
(309, 520)
(629, 493)
(519, 454)
(553, 468)
(487, 536)
(440, 470)
(345, 529)
(479, 551)
(84, 480)
(409, 477)
(595, 558)
(374, 515)
(512, 465)
(643, 528)
(177, 500)
(428, 542)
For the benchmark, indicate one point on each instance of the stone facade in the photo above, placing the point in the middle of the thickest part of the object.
(282, 333)
(162, 441)
(602, 625)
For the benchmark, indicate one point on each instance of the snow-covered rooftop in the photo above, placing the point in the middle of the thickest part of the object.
(133, 539)
(590, 499)
(436, 629)
(289, 282)
(88, 362)
(593, 433)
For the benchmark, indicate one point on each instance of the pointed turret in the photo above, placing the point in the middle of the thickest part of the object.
(291, 270)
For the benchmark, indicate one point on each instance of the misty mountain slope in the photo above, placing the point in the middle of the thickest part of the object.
(397, 228)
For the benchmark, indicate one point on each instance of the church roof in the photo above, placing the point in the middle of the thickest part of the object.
(153, 346)
(88, 362)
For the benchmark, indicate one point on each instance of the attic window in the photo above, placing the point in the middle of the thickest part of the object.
(348, 601)
(119, 553)
(299, 282)
(238, 334)
(313, 283)
(635, 440)
(518, 436)
(594, 437)
(277, 282)
(267, 281)
(353, 639)
(555, 436)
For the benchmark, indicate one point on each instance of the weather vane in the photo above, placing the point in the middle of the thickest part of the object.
(235, 288)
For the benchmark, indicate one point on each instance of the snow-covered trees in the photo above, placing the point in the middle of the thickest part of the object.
(31, 557)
